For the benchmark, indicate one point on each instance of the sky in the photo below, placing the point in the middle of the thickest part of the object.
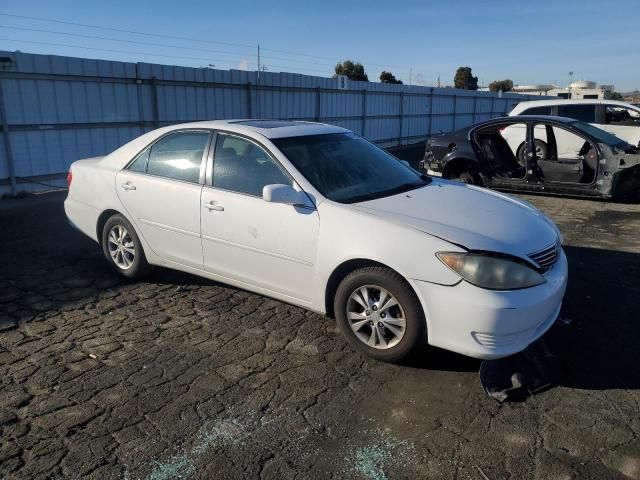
(528, 42)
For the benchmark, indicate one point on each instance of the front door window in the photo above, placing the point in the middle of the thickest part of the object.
(241, 166)
(570, 158)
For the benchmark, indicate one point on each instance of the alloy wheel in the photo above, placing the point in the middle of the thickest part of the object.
(121, 247)
(376, 317)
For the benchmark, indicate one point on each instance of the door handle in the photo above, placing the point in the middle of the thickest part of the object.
(212, 205)
(128, 186)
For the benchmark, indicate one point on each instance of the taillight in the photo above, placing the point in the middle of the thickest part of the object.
(69, 178)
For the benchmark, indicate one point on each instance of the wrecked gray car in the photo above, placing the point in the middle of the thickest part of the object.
(541, 154)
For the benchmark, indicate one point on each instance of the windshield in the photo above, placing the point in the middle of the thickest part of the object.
(600, 135)
(346, 168)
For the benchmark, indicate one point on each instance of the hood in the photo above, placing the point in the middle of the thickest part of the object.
(472, 217)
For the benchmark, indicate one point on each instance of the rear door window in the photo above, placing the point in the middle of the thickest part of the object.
(140, 162)
(178, 156)
(584, 113)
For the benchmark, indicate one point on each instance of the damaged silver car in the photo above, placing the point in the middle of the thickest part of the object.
(541, 154)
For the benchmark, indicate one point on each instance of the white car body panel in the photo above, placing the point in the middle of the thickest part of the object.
(251, 239)
(165, 212)
(499, 322)
(290, 253)
(515, 228)
(628, 133)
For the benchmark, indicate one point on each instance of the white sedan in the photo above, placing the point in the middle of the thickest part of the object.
(316, 216)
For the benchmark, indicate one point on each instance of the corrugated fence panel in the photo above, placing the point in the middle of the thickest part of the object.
(281, 104)
(52, 151)
(4, 165)
(382, 129)
(416, 104)
(379, 103)
(60, 109)
(414, 127)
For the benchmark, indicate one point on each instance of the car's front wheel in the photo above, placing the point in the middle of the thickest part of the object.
(380, 315)
(122, 247)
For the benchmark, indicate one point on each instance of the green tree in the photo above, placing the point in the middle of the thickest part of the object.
(504, 85)
(353, 71)
(388, 77)
(464, 79)
(615, 96)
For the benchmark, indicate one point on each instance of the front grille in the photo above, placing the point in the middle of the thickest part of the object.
(545, 258)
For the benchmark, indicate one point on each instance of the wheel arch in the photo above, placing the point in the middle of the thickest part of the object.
(344, 269)
(102, 219)
(462, 164)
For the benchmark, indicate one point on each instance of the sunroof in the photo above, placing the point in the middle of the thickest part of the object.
(266, 123)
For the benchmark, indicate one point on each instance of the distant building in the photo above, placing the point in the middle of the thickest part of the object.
(632, 97)
(579, 90)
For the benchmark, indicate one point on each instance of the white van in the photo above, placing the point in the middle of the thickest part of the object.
(620, 118)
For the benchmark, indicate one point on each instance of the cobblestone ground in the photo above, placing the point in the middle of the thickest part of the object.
(179, 377)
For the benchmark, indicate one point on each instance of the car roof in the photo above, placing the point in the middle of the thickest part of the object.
(547, 103)
(269, 128)
(525, 118)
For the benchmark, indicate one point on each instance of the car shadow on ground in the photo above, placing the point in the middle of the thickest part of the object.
(596, 339)
(598, 334)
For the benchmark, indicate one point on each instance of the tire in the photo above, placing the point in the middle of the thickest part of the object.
(369, 329)
(129, 259)
(541, 152)
(465, 177)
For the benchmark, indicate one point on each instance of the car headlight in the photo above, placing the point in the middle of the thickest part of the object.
(491, 271)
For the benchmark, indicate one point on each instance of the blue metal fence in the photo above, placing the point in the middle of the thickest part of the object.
(54, 110)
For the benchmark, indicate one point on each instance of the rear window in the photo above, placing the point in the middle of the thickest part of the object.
(537, 111)
(584, 113)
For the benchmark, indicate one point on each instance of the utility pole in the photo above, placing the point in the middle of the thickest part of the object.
(258, 63)
(410, 74)
(570, 82)
(438, 80)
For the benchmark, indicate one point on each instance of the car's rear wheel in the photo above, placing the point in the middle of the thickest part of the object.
(464, 177)
(541, 152)
(380, 315)
(122, 247)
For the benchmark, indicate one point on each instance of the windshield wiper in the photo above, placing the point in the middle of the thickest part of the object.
(405, 187)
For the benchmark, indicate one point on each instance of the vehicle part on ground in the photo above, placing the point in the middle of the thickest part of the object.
(531, 371)
(379, 314)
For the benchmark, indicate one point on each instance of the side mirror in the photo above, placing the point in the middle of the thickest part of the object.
(279, 193)
(405, 163)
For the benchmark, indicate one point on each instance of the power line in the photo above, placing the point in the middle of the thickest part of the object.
(137, 42)
(147, 53)
(108, 49)
(134, 32)
(123, 30)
